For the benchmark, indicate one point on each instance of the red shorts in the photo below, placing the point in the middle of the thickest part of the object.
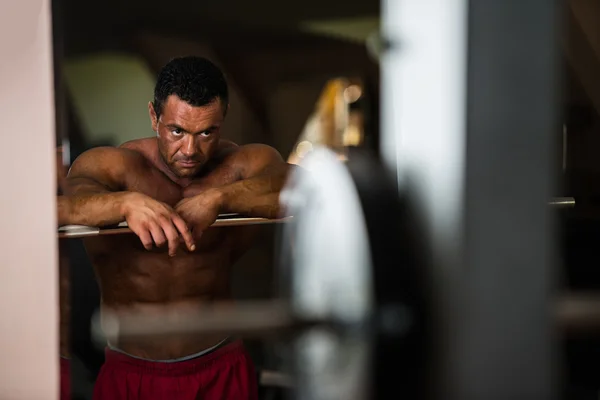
(65, 379)
(225, 373)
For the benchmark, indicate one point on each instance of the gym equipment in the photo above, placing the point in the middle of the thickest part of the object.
(470, 126)
(562, 202)
(578, 313)
(348, 293)
(79, 231)
(472, 172)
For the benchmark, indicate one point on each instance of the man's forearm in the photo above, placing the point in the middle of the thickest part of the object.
(98, 209)
(254, 197)
(62, 205)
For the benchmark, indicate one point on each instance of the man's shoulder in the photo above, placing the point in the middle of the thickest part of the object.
(108, 157)
(143, 146)
(255, 158)
(231, 153)
(250, 149)
(259, 152)
(226, 148)
(225, 151)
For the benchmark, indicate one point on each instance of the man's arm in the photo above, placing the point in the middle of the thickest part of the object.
(97, 197)
(264, 173)
(93, 196)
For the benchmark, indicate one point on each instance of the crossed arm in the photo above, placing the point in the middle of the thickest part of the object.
(263, 174)
(96, 196)
(93, 194)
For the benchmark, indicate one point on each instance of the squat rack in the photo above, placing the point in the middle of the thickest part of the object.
(469, 112)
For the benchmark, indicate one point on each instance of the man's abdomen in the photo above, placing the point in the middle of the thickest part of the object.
(160, 346)
(150, 284)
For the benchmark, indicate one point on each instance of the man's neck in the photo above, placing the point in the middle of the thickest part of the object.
(183, 182)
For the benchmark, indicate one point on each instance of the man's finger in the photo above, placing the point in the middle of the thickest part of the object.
(157, 234)
(146, 239)
(172, 235)
(185, 232)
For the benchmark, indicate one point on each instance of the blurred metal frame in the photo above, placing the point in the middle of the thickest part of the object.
(469, 97)
(29, 273)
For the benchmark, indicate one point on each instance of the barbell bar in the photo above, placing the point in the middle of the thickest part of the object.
(80, 231)
(562, 202)
(572, 313)
(248, 319)
(270, 378)
(578, 312)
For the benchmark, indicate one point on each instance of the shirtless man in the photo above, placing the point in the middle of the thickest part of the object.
(170, 189)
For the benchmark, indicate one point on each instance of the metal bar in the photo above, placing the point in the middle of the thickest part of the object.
(276, 379)
(79, 231)
(562, 202)
(572, 313)
(28, 214)
(423, 110)
(505, 348)
(248, 319)
(469, 98)
(578, 313)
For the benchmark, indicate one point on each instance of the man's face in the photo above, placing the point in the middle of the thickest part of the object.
(187, 135)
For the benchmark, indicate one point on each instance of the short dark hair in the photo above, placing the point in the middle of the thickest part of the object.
(195, 80)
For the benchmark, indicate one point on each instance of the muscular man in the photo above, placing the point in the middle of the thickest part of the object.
(170, 189)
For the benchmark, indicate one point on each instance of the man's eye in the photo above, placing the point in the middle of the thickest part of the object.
(177, 132)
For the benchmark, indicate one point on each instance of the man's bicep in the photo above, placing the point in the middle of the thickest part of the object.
(87, 185)
(97, 170)
(260, 159)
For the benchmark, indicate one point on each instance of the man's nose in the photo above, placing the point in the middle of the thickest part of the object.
(189, 146)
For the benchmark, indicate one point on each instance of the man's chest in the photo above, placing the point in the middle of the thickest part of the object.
(154, 183)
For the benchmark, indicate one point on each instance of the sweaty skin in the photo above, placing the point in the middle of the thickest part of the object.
(161, 192)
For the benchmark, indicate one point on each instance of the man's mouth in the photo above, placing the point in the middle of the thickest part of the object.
(187, 163)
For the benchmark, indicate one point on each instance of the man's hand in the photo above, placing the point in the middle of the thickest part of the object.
(156, 222)
(200, 211)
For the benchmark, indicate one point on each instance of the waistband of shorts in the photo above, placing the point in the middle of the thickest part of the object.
(224, 354)
(184, 358)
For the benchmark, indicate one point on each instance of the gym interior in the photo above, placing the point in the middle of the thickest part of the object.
(482, 114)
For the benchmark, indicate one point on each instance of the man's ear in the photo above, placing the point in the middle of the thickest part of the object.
(153, 118)
(226, 109)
